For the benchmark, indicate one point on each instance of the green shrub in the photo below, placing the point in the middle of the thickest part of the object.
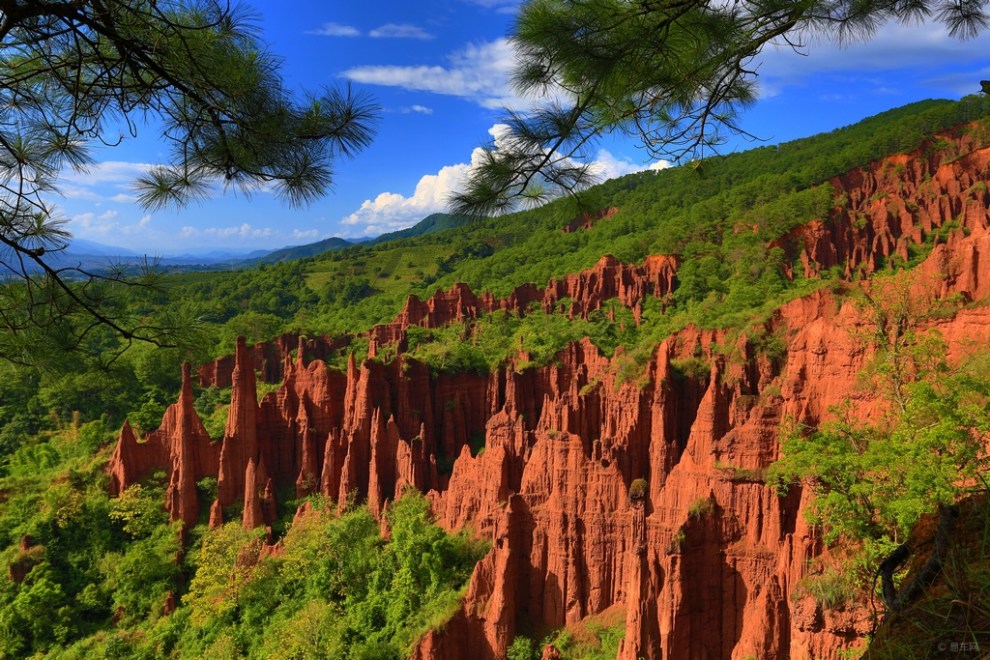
(522, 648)
(700, 507)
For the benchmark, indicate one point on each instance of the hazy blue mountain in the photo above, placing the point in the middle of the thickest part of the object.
(80, 246)
(300, 251)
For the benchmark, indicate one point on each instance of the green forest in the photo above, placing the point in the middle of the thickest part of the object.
(86, 575)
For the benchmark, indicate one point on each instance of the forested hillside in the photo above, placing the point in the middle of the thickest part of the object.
(598, 386)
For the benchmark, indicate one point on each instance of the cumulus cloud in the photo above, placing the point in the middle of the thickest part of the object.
(478, 72)
(400, 31)
(606, 166)
(391, 211)
(335, 30)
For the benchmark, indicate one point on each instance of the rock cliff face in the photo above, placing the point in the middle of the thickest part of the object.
(587, 291)
(181, 446)
(702, 555)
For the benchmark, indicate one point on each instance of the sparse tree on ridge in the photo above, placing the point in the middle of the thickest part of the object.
(74, 74)
(672, 73)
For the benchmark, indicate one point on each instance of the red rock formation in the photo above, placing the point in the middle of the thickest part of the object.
(268, 358)
(181, 446)
(588, 220)
(132, 460)
(216, 515)
(28, 556)
(240, 438)
(891, 206)
(587, 291)
(707, 562)
(253, 515)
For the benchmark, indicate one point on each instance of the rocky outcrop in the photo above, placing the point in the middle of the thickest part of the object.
(586, 292)
(181, 447)
(239, 449)
(587, 220)
(892, 209)
(269, 358)
(600, 491)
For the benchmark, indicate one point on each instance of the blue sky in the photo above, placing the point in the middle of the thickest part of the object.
(439, 70)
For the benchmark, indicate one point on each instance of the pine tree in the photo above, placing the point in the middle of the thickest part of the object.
(74, 74)
(673, 73)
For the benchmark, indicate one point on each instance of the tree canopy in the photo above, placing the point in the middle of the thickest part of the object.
(74, 74)
(673, 73)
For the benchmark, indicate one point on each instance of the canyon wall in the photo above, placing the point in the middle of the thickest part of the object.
(600, 491)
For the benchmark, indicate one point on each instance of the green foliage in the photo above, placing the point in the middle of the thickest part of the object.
(522, 648)
(593, 641)
(700, 507)
(57, 507)
(337, 589)
(139, 510)
(138, 578)
(832, 588)
(212, 405)
(638, 489)
(679, 93)
(691, 367)
(200, 70)
(873, 481)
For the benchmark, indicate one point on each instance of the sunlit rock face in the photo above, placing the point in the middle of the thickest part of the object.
(706, 559)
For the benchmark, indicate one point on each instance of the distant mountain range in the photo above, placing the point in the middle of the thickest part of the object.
(428, 225)
(92, 255)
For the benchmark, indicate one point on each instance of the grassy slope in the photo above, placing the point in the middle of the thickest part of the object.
(693, 213)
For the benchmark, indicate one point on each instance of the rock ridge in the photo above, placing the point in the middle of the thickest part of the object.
(707, 560)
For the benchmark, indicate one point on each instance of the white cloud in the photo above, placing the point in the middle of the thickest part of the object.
(606, 166)
(400, 31)
(417, 109)
(305, 235)
(109, 181)
(961, 83)
(108, 224)
(335, 30)
(500, 6)
(391, 211)
(479, 72)
(387, 31)
(922, 49)
(242, 231)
